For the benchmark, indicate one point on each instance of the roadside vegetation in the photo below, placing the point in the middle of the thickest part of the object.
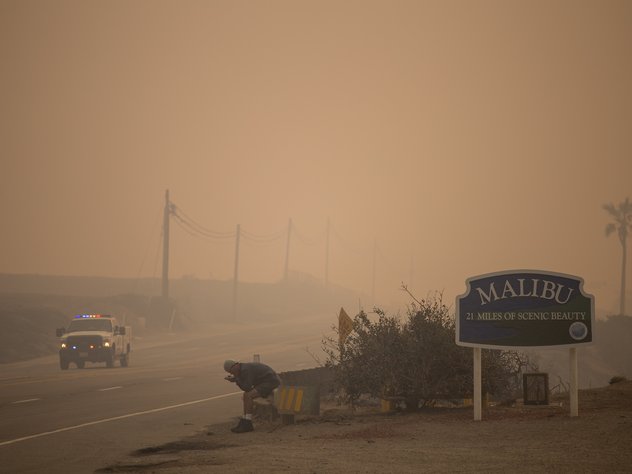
(414, 358)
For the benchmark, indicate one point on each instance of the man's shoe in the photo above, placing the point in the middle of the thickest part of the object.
(243, 427)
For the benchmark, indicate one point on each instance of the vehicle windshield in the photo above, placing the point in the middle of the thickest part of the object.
(90, 325)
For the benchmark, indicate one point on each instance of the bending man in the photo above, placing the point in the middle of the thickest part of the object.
(256, 380)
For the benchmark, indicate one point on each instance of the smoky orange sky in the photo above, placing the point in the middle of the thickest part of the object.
(460, 137)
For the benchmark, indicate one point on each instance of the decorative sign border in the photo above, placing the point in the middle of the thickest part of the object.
(524, 308)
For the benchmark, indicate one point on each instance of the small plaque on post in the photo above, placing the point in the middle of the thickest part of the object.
(535, 388)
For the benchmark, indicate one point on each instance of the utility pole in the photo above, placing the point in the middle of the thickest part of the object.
(236, 277)
(165, 247)
(327, 255)
(287, 250)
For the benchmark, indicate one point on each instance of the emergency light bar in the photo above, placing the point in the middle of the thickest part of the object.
(90, 316)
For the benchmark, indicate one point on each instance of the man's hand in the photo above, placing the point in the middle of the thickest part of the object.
(230, 378)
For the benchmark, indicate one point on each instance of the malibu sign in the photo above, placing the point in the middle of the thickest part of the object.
(524, 308)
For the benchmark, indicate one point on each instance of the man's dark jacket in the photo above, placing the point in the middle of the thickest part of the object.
(252, 374)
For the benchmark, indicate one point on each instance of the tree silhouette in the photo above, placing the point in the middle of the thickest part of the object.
(622, 215)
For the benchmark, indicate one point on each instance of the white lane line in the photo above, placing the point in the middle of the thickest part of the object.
(121, 417)
(14, 378)
(26, 401)
(171, 379)
(109, 388)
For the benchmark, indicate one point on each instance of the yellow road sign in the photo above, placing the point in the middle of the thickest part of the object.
(345, 326)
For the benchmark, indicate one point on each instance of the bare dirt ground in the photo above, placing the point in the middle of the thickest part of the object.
(508, 439)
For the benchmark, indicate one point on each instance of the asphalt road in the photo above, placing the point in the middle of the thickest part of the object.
(80, 420)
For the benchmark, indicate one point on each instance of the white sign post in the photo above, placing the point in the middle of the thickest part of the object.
(524, 308)
(572, 357)
(478, 392)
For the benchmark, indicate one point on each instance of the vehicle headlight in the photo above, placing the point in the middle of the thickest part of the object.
(63, 345)
(106, 344)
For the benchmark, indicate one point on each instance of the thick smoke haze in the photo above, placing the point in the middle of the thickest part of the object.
(456, 138)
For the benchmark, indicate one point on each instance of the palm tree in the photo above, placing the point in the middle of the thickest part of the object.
(622, 215)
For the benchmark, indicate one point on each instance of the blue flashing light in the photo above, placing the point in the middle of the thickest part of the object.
(87, 316)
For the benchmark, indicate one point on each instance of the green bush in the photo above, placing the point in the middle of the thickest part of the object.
(416, 359)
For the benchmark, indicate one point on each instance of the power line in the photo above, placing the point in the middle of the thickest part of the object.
(263, 239)
(193, 228)
(182, 224)
(374, 253)
(198, 228)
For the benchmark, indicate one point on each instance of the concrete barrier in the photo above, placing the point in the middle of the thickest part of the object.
(291, 400)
